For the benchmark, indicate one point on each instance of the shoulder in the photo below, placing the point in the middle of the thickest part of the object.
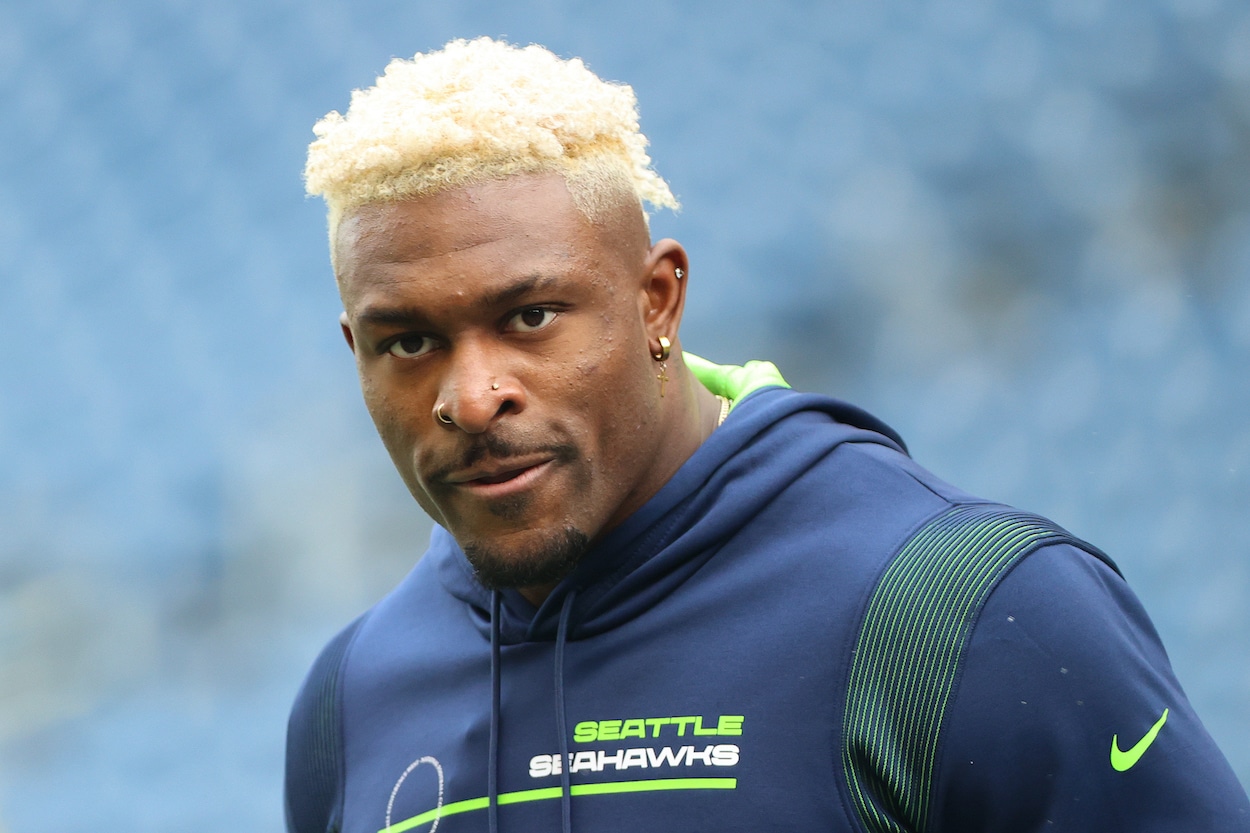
(314, 742)
(1062, 668)
(910, 649)
(997, 658)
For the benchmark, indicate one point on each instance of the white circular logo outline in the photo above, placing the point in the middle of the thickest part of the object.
(425, 759)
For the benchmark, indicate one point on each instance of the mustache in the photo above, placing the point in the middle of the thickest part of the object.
(492, 446)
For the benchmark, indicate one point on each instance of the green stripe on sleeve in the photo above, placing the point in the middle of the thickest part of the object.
(909, 648)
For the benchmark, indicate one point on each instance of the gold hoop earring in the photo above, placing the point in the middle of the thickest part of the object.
(661, 356)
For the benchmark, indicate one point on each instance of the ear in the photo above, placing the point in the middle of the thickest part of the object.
(347, 331)
(663, 292)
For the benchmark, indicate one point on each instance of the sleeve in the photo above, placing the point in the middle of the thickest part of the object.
(1067, 716)
(314, 743)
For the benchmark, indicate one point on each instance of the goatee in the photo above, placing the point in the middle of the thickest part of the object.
(545, 563)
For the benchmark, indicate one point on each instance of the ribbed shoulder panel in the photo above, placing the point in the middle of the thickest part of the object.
(908, 652)
(314, 743)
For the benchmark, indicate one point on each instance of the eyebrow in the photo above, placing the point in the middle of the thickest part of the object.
(401, 316)
(511, 294)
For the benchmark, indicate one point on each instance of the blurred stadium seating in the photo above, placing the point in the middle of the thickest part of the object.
(1020, 233)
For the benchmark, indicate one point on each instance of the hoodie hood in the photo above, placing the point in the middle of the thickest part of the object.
(721, 487)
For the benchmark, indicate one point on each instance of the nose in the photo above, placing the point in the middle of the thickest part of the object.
(476, 389)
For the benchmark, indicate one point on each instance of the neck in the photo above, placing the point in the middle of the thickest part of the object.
(708, 407)
(692, 414)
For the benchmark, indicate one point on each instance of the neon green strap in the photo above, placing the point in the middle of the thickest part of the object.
(731, 381)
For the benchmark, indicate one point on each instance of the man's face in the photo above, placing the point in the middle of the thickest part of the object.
(501, 306)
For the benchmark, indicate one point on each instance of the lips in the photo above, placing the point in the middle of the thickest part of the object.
(501, 479)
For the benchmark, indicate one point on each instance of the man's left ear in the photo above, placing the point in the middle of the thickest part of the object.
(664, 291)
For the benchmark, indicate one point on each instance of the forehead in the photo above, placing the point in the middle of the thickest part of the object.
(519, 223)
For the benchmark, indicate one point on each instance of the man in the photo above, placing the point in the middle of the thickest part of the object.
(664, 594)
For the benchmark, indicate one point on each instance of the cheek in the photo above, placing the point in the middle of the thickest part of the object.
(377, 403)
(398, 427)
(624, 408)
(394, 419)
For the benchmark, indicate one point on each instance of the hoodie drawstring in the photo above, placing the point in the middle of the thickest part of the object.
(562, 635)
(492, 775)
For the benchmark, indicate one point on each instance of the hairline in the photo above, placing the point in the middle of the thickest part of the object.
(595, 190)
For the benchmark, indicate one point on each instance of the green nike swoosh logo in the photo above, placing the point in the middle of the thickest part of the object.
(1124, 761)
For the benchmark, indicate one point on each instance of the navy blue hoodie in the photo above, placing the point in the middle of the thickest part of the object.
(803, 630)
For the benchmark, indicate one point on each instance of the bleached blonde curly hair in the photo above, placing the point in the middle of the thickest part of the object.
(481, 110)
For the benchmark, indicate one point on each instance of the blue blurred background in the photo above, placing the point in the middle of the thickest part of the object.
(1020, 233)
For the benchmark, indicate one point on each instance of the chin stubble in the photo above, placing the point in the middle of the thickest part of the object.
(545, 562)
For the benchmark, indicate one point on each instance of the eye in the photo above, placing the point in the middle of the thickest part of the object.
(530, 319)
(410, 346)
